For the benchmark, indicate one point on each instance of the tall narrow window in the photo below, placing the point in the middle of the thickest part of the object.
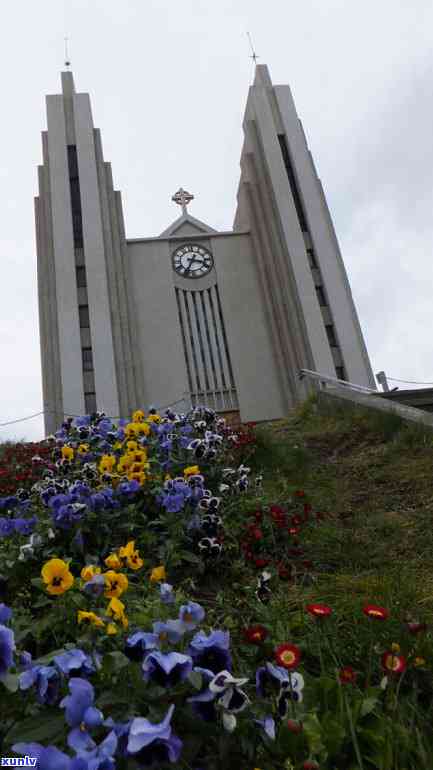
(321, 296)
(341, 375)
(83, 311)
(331, 335)
(293, 183)
(90, 402)
(312, 258)
(87, 359)
(81, 276)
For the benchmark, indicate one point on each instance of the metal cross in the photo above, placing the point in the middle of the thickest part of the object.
(182, 198)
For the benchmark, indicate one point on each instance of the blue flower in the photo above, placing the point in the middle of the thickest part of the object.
(140, 643)
(5, 613)
(166, 669)
(154, 744)
(166, 593)
(203, 703)
(95, 586)
(48, 758)
(76, 660)
(121, 730)
(191, 615)
(80, 714)
(46, 681)
(25, 526)
(100, 758)
(268, 725)
(128, 488)
(270, 675)
(7, 527)
(7, 647)
(211, 651)
(173, 630)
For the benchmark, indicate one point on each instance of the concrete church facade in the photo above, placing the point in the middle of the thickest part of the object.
(193, 316)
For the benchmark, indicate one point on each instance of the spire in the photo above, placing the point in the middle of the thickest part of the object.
(68, 87)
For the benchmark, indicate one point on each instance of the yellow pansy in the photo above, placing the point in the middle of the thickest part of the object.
(83, 449)
(138, 416)
(419, 661)
(124, 463)
(140, 477)
(111, 629)
(113, 561)
(89, 571)
(138, 456)
(153, 418)
(167, 477)
(141, 428)
(55, 574)
(395, 647)
(107, 463)
(67, 452)
(116, 610)
(115, 583)
(131, 556)
(118, 445)
(91, 618)
(192, 470)
(130, 430)
(158, 573)
(131, 446)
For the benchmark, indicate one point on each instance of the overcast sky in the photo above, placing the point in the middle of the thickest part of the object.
(168, 83)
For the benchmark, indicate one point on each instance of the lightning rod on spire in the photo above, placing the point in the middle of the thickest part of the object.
(254, 56)
(67, 62)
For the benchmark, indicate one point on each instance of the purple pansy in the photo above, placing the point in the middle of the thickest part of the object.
(138, 644)
(268, 725)
(46, 681)
(166, 593)
(203, 703)
(7, 647)
(173, 630)
(80, 714)
(211, 651)
(48, 757)
(166, 669)
(5, 614)
(154, 744)
(77, 661)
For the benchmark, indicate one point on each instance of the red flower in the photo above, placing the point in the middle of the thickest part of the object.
(299, 493)
(393, 662)
(294, 726)
(372, 611)
(257, 534)
(319, 610)
(296, 521)
(347, 675)
(287, 655)
(284, 572)
(255, 634)
(310, 764)
(307, 507)
(416, 628)
(276, 509)
(294, 531)
(261, 562)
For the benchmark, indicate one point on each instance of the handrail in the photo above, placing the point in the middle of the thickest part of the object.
(325, 379)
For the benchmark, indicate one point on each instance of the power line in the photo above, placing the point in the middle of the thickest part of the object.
(67, 414)
(411, 382)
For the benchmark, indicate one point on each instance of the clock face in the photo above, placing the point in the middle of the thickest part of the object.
(192, 261)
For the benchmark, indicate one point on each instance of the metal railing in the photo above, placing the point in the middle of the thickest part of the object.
(325, 380)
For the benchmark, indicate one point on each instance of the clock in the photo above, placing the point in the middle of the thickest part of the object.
(192, 261)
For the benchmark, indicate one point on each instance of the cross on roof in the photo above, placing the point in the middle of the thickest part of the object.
(182, 198)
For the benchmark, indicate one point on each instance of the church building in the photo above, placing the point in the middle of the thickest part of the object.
(191, 316)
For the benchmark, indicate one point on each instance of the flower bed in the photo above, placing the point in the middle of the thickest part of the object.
(149, 619)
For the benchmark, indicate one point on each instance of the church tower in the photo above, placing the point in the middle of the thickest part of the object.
(192, 316)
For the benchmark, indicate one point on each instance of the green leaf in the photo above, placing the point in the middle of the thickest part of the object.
(313, 732)
(10, 681)
(368, 705)
(196, 679)
(38, 583)
(115, 661)
(43, 728)
(190, 557)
